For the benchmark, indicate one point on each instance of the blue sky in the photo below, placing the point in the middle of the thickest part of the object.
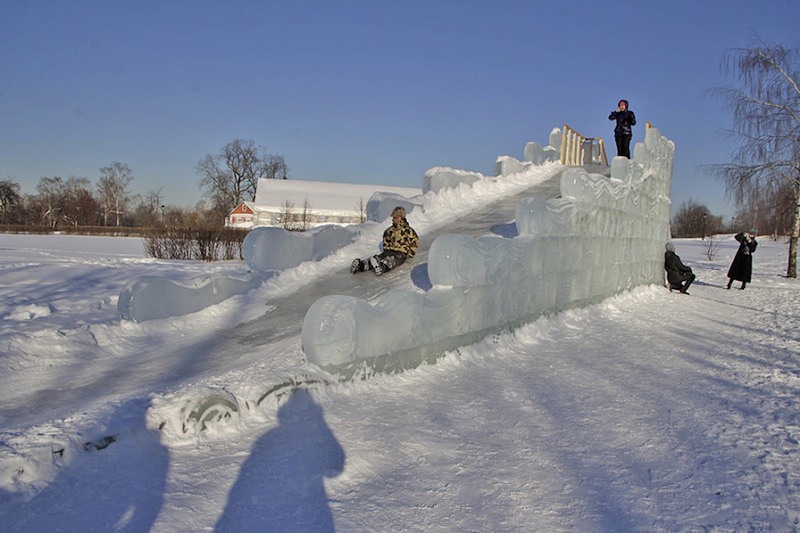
(361, 91)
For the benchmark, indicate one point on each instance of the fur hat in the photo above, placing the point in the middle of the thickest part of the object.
(399, 211)
(670, 247)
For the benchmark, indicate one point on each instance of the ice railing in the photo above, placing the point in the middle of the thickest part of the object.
(602, 236)
(577, 150)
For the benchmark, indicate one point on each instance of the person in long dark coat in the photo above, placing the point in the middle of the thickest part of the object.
(742, 266)
(679, 276)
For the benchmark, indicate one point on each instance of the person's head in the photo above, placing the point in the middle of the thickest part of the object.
(670, 247)
(753, 232)
(398, 213)
(623, 104)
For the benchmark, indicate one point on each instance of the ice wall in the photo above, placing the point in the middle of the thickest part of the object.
(269, 248)
(438, 178)
(538, 154)
(534, 154)
(505, 165)
(152, 297)
(380, 205)
(601, 237)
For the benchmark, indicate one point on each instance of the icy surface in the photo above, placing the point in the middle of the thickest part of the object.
(438, 178)
(602, 237)
(270, 248)
(538, 154)
(152, 297)
(380, 205)
(534, 154)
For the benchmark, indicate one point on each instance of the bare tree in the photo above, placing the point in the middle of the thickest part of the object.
(231, 177)
(362, 210)
(711, 247)
(51, 199)
(306, 216)
(694, 220)
(112, 189)
(276, 167)
(80, 207)
(287, 214)
(766, 116)
(150, 209)
(9, 200)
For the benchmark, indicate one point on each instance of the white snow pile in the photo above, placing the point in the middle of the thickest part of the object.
(601, 237)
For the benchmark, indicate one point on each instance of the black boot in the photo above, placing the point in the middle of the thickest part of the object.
(744, 284)
(376, 265)
(357, 266)
(688, 282)
(730, 282)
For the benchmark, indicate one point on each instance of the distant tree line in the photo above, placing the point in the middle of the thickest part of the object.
(695, 220)
(74, 205)
(227, 180)
(767, 213)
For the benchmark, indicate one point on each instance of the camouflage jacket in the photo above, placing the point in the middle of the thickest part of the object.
(402, 238)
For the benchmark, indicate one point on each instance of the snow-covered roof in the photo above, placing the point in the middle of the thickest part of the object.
(322, 195)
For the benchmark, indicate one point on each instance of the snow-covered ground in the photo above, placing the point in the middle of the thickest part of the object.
(651, 411)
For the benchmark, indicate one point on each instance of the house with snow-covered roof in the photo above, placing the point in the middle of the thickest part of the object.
(242, 216)
(302, 204)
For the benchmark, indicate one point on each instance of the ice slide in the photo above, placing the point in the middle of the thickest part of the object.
(287, 314)
(576, 238)
(200, 407)
(600, 237)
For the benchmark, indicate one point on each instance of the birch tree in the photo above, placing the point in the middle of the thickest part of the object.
(112, 190)
(766, 121)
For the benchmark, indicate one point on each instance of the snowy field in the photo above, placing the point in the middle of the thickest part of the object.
(651, 411)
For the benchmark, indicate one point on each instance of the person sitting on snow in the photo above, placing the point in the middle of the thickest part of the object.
(679, 276)
(400, 242)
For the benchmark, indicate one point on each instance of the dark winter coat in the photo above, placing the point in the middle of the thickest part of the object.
(742, 266)
(625, 119)
(401, 237)
(677, 272)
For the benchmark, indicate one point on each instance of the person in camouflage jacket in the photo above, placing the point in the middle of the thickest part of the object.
(400, 242)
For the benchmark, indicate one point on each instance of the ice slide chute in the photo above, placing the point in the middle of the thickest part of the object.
(601, 237)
